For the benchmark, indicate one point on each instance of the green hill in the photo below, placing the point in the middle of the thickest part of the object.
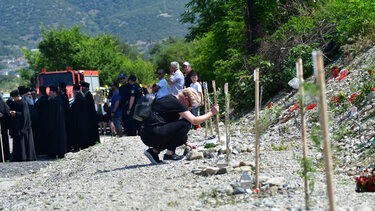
(135, 21)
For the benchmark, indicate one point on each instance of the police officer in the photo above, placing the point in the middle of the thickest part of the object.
(124, 92)
(133, 125)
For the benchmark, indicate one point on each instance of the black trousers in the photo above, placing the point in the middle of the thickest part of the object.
(168, 136)
(5, 141)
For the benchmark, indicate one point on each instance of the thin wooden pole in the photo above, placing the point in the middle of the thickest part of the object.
(227, 125)
(303, 125)
(217, 115)
(256, 78)
(324, 127)
(209, 108)
(205, 107)
(2, 148)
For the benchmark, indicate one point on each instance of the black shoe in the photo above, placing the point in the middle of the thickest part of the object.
(152, 156)
(173, 157)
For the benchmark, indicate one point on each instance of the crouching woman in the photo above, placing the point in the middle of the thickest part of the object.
(165, 129)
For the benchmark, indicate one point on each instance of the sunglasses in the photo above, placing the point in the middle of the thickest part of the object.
(160, 73)
(122, 78)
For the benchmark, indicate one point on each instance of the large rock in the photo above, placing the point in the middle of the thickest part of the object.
(225, 170)
(276, 181)
(212, 170)
(194, 155)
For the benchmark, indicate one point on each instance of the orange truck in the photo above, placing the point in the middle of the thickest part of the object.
(70, 77)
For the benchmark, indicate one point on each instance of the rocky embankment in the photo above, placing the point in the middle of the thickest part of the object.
(115, 175)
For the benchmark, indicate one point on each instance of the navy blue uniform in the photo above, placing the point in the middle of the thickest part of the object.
(133, 125)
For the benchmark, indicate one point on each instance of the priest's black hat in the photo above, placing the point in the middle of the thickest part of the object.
(53, 88)
(22, 90)
(42, 89)
(62, 84)
(85, 85)
(14, 93)
(76, 87)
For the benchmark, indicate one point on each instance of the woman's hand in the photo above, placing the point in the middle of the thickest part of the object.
(192, 146)
(215, 109)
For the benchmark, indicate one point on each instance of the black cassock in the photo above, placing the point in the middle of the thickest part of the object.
(41, 106)
(78, 126)
(34, 122)
(65, 100)
(4, 109)
(57, 146)
(92, 120)
(21, 132)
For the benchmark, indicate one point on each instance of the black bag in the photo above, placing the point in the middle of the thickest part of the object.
(142, 109)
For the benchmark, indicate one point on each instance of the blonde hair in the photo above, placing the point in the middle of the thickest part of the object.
(192, 94)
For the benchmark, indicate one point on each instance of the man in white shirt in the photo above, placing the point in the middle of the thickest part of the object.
(176, 81)
(161, 88)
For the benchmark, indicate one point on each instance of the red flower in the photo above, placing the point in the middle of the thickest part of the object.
(311, 106)
(352, 97)
(356, 178)
(342, 76)
(337, 99)
(257, 190)
(270, 105)
(333, 99)
(373, 89)
(335, 71)
(295, 107)
(369, 71)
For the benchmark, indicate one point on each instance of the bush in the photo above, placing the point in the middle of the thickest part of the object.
(289, 64)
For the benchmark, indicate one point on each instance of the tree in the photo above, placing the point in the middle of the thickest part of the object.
(69, 47)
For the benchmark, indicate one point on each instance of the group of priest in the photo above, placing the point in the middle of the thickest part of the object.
(47, 124)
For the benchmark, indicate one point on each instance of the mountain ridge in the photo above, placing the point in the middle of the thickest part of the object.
(136, 22)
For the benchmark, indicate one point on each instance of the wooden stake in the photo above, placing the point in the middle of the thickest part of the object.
(256, 78)
(217, 115)
(303, 125)
(227, 129)
(205, 107)
(324, 127)
(2, 148)
(209, 107)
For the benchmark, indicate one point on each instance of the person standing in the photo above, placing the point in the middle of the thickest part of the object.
(34, 95)
(188, 71)
(41, 107)
(27, 96)
(161, 88)
(133, 125)
(78, 121)
(116, 112)
(92, 118)
(197, 86)
(57, 145)
(176, 81)
(124, 92)
(20, 129)
(65, 100)
(4, 118)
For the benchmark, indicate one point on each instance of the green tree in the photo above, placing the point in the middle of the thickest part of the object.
(69, 47)
(169, 50)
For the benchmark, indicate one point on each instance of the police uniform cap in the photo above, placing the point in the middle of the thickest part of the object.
(85, 85)
(53, 88)
(76, 87)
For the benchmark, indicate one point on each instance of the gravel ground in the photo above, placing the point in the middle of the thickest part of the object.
(115, 175)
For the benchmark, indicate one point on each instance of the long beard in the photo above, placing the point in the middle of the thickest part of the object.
(29, 100)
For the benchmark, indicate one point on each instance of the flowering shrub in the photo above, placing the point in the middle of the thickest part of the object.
(365, 182)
